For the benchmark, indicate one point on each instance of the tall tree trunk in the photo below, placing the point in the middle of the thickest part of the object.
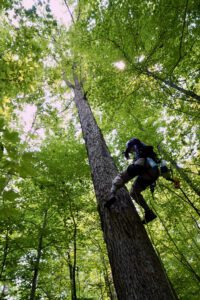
(39, 254)
(136, 269)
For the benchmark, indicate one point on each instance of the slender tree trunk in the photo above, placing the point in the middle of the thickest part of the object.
(5, 254)
(39, 254)
(3, 265)
(182, 256)
(72, 264)
(136, 269)
(159, 256)
(185, 199)
(71, 275)
(108, 281)
(74, 255)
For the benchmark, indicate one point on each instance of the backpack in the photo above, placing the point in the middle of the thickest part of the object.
(147, 151)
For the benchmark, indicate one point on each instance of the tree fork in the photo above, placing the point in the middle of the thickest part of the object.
(136, 269)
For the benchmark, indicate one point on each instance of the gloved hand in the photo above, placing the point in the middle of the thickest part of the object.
(176, 183)
(111, 201)
(126, 154)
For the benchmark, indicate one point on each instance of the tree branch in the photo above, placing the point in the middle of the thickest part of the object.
(188, 93)
(69, 11)
(79, 11)
(68, 83)
(181, 38)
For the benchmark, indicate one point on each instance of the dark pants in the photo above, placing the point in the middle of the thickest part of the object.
(145, 177)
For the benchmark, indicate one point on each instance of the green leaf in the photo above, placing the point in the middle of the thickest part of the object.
(10, 195)
(11, 136)
(8, 212)
(2, 183)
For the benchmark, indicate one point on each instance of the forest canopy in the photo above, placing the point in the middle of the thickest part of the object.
(138, 66)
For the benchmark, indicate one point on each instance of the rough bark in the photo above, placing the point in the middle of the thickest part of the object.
(136, 269)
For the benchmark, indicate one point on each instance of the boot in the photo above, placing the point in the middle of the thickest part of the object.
(149, 216)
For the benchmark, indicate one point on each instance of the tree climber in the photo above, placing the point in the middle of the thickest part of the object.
(146, 167)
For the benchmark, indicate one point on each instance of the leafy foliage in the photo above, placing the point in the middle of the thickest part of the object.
(49, 222)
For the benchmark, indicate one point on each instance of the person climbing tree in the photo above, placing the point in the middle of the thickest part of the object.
(128, 245)
(147, 167)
